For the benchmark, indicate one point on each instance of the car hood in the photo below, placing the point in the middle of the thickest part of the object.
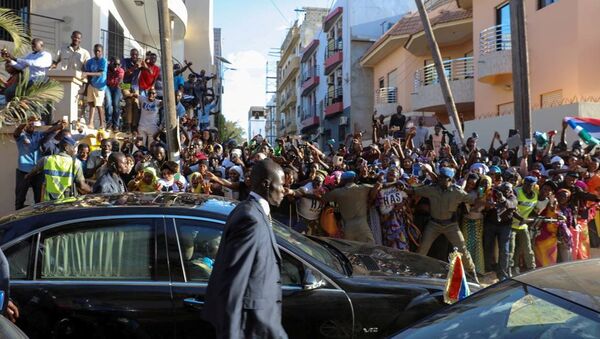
(386, 263)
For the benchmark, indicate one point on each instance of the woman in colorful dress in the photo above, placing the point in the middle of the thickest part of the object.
(472, 222)
(390, 202)
(553, 237)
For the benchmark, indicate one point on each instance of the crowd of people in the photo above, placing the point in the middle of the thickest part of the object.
(507, 208)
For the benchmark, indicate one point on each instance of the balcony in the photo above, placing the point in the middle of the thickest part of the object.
(290, 127)
(334, 55)
(386, 100)
(289, 70)
(331, 18)
(495, 55)
(310, 123)
(289, 99)
(310, 79)
(428, 93)
(334, 103)
(309, 50)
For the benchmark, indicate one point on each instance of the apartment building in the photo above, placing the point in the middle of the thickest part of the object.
(335, 98)
(475, 43)
(299, 36)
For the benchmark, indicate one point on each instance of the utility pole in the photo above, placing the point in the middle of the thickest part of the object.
(520, 66)
(439, 66)
(166, 60)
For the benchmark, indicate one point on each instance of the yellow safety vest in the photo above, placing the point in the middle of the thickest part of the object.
(524, 208)
(59, 172)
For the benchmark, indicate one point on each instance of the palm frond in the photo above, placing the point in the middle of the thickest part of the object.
(32, 99)
(13, 24)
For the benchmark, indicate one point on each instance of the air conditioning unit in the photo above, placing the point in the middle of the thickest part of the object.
(343, 121)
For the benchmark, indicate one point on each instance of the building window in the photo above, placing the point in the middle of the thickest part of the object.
(116, 39)
(381, 82)
(544, 3)
(551, 99)
(506, 109)
(20, 8)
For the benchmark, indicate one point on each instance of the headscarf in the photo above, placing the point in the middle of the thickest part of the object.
(239, 170)
(143, 187)
(489, 181)
(197, 189)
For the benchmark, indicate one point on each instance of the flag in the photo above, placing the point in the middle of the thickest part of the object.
(457, 287)
(588, 129)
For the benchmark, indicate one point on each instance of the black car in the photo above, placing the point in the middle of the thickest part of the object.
(560, 302)
(137, 266)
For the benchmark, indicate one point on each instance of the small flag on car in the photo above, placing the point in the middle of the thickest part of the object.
(456, 283)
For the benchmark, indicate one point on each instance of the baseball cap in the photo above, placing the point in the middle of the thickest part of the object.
(447, 172)
(557, 159)
(69, 140)
(495, 169)
(530, 179)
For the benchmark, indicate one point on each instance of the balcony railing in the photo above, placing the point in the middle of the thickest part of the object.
(456, 69)
(119, 46)
(334, 46)
(334, 96)
(433, 4)
(494, 39)
(311, 72)
(386, 95)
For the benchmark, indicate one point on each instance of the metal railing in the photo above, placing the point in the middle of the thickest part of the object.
(333, 46)
(456, 69)
(494, 39)
(433, 4)
(386, 95)
(334, 96)
(311, 72)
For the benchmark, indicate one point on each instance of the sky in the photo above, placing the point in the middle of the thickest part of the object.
(249, 30)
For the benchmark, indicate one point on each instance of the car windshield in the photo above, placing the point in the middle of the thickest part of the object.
(308, 246)
(509, 310)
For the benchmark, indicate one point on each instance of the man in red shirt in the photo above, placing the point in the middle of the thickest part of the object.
(149, 73)
(113, 94)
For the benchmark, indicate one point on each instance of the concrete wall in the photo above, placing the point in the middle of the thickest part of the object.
(366, 17)
(361, 98)
(199, 47)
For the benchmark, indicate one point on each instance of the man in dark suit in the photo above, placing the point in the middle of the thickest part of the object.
(243, 298)
(7, 307)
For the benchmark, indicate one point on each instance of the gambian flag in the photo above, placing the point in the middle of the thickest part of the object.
(588, 129)
(457, 287)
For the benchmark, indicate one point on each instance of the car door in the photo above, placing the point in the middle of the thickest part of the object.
(106, 276)
(321, 312)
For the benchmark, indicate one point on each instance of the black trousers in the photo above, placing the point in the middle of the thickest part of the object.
(23, 185)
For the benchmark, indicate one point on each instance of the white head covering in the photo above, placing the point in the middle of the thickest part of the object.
(239, 170)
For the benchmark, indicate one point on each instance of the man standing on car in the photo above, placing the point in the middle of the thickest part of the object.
(243, 297)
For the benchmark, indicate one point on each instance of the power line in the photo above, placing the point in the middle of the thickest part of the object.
(287, 21)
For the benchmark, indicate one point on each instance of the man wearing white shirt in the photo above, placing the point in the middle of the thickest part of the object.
(38, 61)
(72, 56)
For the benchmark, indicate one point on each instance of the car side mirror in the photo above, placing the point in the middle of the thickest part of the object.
(312, 280)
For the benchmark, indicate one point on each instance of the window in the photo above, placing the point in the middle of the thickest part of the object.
(21, 8)
(18, 256)
(503, 37)
(199, 245)
(292, 270)
(544, 3)
(116, 40)
(119, 250)
(381, 83)
(507, 108)
(551, 99)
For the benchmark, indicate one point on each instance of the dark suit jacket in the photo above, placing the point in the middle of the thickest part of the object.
(243, 298)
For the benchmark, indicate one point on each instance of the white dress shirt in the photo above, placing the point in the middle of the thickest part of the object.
(262, 202)
(38, 63)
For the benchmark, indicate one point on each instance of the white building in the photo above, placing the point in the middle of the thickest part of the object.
(119, 25)
(336, 97)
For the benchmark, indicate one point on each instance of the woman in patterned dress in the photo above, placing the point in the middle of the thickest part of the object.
(390, 201)
(472, 223)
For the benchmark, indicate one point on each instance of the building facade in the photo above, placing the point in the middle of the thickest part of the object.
(475, 43)
(336, 98)
(289, 76)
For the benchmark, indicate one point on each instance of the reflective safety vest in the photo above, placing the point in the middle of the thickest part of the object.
(524, 208)
(59, 174)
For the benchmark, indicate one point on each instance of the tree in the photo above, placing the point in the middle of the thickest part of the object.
(30, 99)
(229, 130)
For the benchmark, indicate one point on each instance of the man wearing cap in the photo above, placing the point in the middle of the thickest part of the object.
(444, 200)
(29, 142)
(352, 200)
(520, 242)
(62, 172)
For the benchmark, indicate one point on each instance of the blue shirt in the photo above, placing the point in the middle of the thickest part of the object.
(179, 81)
(29, 153)
(205, 117)
(97, 65)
